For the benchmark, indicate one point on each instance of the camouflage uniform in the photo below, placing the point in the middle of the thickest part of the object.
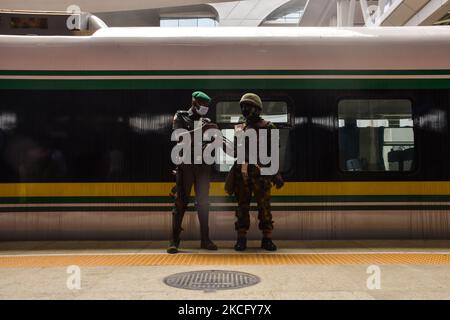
(253, 183)
(247, 180)
(260, 186)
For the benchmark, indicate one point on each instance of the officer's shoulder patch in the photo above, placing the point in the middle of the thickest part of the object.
(180, 113)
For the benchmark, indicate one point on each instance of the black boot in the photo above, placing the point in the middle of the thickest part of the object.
(173, 246)
(208, 244)
(241, 244)
(177, 219)
(267, 244)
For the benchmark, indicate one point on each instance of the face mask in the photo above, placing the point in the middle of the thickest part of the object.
(202, 110)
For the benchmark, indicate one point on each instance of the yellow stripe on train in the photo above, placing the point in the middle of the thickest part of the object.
(163, 189)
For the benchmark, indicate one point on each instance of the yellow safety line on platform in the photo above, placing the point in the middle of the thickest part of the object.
(111, 189)
(224, 259)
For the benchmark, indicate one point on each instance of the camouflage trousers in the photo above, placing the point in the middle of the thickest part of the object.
(244, 188)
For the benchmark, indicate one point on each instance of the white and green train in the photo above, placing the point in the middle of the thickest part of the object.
(85, 124)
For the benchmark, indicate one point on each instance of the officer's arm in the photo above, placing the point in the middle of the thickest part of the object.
(228, 146)
(206, 125)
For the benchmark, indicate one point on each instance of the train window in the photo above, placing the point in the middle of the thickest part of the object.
(228, 114)
(28, 22)
(376, 135)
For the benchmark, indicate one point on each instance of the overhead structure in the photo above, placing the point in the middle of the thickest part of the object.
(98, 5)
(434, 11)
(303, 13)
(325, 13)
(444, 21)
(119, 13)
(246, 12)
(347, 13)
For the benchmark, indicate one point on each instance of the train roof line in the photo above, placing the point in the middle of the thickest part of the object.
(273, 32)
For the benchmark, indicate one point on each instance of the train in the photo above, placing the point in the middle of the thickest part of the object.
(363, 113)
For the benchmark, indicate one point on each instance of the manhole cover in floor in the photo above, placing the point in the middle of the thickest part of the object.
(211, 280)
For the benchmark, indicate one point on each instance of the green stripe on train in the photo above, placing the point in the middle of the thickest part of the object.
(267, 84)
(275, 199)
(216, 72)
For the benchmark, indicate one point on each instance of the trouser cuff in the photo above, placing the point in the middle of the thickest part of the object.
(242, 233)
(267, 234)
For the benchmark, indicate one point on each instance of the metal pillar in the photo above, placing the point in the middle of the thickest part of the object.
(346, 13)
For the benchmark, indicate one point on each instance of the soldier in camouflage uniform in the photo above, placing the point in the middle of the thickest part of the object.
(248, 179)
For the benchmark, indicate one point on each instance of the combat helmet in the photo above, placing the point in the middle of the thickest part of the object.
(252, 99)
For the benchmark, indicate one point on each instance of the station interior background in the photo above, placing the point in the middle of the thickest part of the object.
(262, 13)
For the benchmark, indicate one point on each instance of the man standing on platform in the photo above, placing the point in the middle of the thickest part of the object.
(194, 173)
(247, 177)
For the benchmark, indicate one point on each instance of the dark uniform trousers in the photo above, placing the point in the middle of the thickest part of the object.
(244, 187)
(188, 175)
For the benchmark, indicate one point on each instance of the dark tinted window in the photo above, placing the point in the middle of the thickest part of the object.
(376, 135)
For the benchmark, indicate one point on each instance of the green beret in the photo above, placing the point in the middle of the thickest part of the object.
(201, 96)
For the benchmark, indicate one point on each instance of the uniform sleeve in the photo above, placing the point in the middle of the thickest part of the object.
(270, 125)
(214, 126)
(207, 125)
(177, 122)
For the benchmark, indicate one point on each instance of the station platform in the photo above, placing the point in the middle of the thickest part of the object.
(376, 269)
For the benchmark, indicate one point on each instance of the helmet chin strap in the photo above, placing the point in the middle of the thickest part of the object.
(252, 117)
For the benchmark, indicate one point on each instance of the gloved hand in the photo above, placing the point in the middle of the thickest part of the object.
(278, 181)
